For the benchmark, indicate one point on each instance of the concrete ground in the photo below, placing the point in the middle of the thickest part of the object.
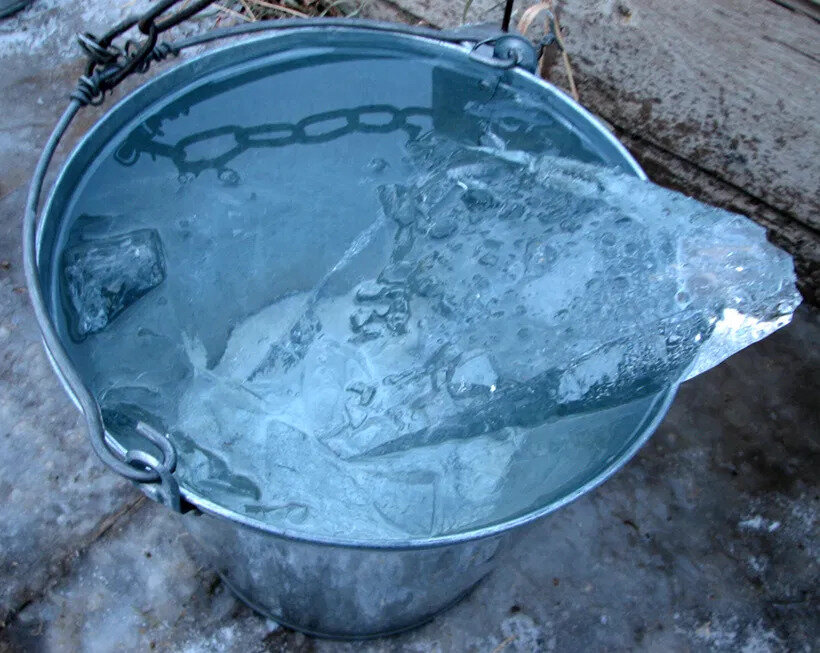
(707, 540)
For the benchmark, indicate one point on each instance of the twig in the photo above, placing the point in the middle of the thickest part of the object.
(333, 5)
(247, 7)
(467, 5)
(524, 24)
(567, 65)
(233, 12)
(359, 8)
(492, 9)
(504, 644)
(282, 8)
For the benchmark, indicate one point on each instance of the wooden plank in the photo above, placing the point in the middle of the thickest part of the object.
(730, 86)
(729, 89)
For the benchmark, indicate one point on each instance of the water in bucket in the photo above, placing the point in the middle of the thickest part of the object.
(387, 319)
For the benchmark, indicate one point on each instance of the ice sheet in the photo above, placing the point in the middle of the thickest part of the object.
(519, 297)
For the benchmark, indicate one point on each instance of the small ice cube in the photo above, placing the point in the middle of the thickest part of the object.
(102, 277)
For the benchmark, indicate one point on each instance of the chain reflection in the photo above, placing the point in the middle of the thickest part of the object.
(317, 128)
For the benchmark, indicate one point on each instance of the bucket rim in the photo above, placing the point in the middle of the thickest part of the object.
(660, 403)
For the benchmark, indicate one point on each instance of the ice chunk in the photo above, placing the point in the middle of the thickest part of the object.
(102, 277)
(522, 320)
(612, 281)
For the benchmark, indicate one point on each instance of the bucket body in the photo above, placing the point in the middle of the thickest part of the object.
(325, 585)
(341, 591)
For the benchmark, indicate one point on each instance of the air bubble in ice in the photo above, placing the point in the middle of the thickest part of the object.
(377, 165)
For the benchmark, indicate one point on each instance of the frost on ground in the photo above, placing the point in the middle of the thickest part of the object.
(529, 315)
(57, 23)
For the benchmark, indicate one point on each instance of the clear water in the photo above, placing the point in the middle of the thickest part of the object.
(404, 304)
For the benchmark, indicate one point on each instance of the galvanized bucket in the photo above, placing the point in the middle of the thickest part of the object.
(338, 587)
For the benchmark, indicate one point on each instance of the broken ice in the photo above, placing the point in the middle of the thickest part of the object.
(528, 322)
(103, 276)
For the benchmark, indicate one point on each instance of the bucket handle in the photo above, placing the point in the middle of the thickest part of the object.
(108, 65)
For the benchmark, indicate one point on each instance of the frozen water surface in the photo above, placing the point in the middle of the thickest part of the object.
(399, 333)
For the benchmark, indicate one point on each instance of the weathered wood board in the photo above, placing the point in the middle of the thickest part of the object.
(719, 99)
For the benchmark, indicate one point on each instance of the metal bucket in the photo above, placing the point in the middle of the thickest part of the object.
(339, 587)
